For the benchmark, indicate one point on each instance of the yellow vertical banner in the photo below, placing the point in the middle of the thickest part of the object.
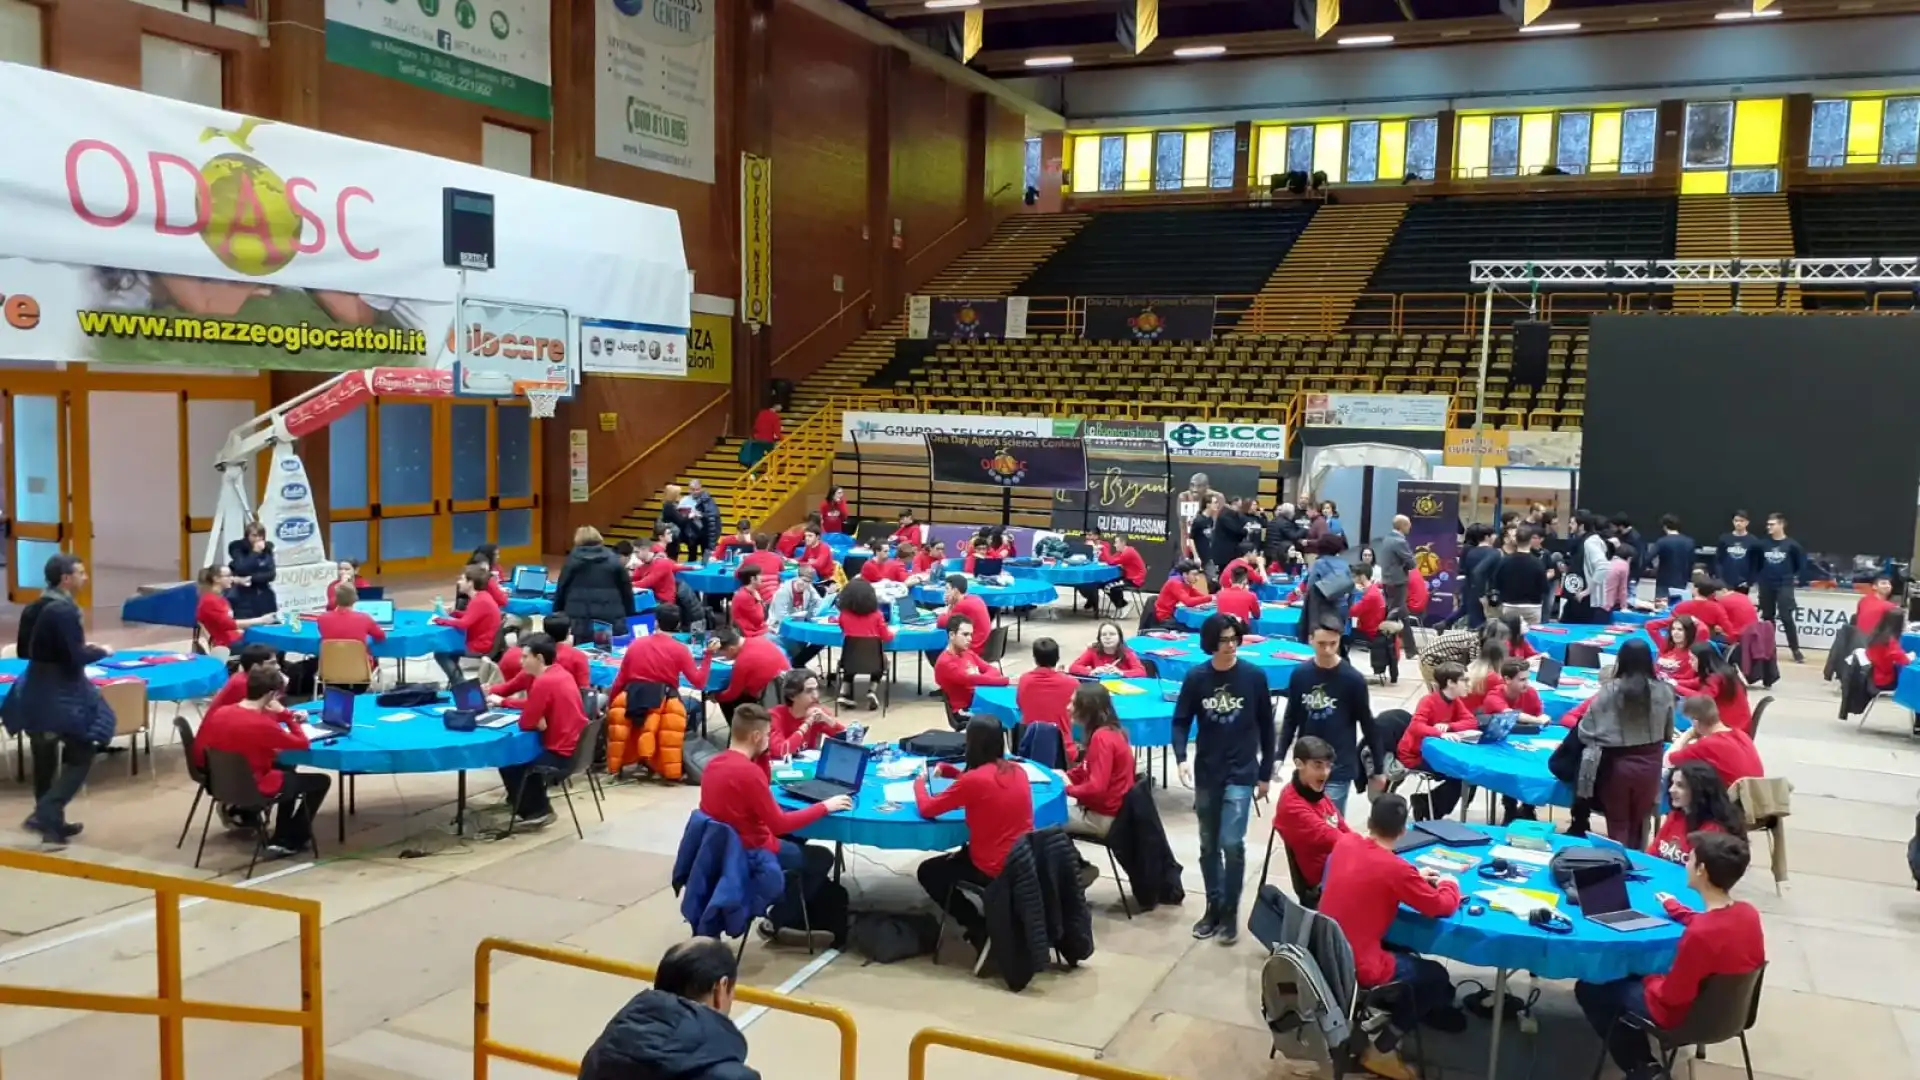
(1326, 15)
(973, 33)
(1146, 24)
(756, 240)
(1533, 9)
(1761, 5)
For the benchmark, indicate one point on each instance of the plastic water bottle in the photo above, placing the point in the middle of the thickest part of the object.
(293, 621)
(439, 606)
(893, 614)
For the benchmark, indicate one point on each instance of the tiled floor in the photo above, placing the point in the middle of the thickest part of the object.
(1842, 998)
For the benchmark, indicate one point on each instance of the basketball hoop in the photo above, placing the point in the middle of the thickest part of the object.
(542, 401)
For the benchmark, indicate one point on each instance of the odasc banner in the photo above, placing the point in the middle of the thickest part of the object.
(1434, 510)
(304, 574)
(1008, 461)
(941, 318)
(1148, 318)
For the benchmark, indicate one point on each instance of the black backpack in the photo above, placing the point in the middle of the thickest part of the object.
(1572, 863)
(885, 937)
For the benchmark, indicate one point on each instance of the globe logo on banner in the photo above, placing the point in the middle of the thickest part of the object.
(629, 7)
(294, 491)
(294, 530)
(1427, 505)
(1005, 468)
(1187, 436)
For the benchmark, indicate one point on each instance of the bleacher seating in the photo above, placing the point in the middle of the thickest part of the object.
(1856, 225)
(1438, 239)
(1183, 252)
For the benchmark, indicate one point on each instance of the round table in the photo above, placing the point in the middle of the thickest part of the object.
(826, 633)
(192, 676)
(1022, 592)
(412, 634)
(1274, 589)
(873, 822)
(1147, 716)
(1508, 943)
(1906, 692)
(1064, 574)
(1274, 620)
(604, 667)
(531, 606)
(1576, 686)
(1553, 638)
(1275, 657)
(387, 740)
(1516, 768)
(717, 578)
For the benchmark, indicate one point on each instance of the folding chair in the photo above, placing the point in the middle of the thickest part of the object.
(1725, 1010)
(866, 656)
(580, 764)
(128, 700)
(183, 732)
(230, 782)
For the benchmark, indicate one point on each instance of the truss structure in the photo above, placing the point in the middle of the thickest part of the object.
(1548, 273)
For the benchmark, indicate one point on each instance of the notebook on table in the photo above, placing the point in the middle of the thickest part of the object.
(1549, 673)
(469, 696)
(988, 567)
(335, 718)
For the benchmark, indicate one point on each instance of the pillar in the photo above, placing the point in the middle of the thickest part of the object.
(753, 134)
(1053, 166)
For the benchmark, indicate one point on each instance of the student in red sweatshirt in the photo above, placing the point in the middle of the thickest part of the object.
(974, 550)
(1109, 655)
(1369, 613)
(1310, 823)
(1186, 588)
(879, 567)
(1442, 711)
(749, 614)
(756, 663)
(772, 566)
(1133, 571)
(259, 729)
(1884, 651)
(1712, 740)
(1710, 618)
(340, 622)
(962, 607)
(554, 710)
(653, 572)
(800, 722)
(492, 587)
(1366, 883)
(997, 800)
(1099, 784)
(1722, 685)
(1513, 693)
(860, 617)
(1255, 564)
(660, 659)
(512, 692)
(815, 553)
(479, 622)
(1725, 939)
(960, 669)
(214, 614)
(910, 530)
(234, 691)
(1699, 803)
(928, 561)
(833, 511)
(1738, 609)
(349, 575)
(741, 541)
(1875, 605)
(788, 543)
(1043, 694)
(1236, 599)
(734, 791)
(1675, 662)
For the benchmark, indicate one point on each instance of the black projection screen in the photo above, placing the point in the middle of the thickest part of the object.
(1810, 415)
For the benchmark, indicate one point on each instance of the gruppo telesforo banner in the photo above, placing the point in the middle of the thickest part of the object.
(144, 230)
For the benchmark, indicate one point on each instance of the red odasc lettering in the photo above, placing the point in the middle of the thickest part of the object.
(203, 196)
(131, 187)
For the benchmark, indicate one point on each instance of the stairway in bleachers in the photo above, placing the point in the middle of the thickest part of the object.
(1020, 244)
(1314, 288)
(1740, 226)
(1866, 223)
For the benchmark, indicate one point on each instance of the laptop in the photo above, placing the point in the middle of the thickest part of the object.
(988, 567)
(335, 718)
(1549, 673)
(469, 696)
(380, 611)
(872, 534)
(907, 609)
(1495, 728)
(841, 768)
(1603, 899)
(529, 581)
(1413, 840)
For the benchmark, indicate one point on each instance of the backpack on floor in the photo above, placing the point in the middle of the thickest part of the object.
(886, 937)
(1913, 852)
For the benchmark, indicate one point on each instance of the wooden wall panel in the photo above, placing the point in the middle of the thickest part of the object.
(930, 164)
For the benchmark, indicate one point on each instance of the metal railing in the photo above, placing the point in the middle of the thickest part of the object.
(485, 1048)
(796, 458)
(1037, 1057)
(168, 1004)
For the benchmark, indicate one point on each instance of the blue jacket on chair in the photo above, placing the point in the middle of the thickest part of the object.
(723, 885)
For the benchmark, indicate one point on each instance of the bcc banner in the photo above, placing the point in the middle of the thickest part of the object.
(1434, 510)
(1148, 318)
(1008, 461)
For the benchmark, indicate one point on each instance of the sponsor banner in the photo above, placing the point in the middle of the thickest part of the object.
(1148, 318)
(1008, 461)
(223, 227)
(499, 345)
(496, 56)
(304, 573)
(1208, 439)
(1123, 495)
(1818, 618)
(577, 485)
(1516, 449)
(1143, 436)
(1410, 412)
(610, 347)
(653, 85)
(1434, 510)
(940, 318)
(911, 429)
(756, 239)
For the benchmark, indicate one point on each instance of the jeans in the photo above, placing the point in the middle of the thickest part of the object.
(532, 799)
(301, 794)
(1223, 811)
(938, 875)
(450, 664)
(807, 867)
(1425, 988)
(60, 765)
(1777, 604)
(1604, 1004)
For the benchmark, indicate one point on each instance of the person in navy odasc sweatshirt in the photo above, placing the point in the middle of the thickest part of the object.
(1781, 561)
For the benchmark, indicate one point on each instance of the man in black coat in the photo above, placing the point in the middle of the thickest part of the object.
(594, 585)
(679, 1029)
(54, 703)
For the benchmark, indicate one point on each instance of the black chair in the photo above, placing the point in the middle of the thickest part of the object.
(866, 656)
(1753, 730)
(1725, 1010)
(1307, 895)
(956, 718)
(1583, 654)
(1151, 666)
(184, 732)
(580, 764)
(790, 882)
(996, 646)
(978, 893)
(230, 782)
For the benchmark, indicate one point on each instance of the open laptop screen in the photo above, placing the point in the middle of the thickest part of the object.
(380, 611)
(530, 579)
(468, 696)
(841, 762)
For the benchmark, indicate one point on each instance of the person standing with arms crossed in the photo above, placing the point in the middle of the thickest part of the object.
(1233, 762)
(1781, 561)
(1394, 556)
(1328, 699)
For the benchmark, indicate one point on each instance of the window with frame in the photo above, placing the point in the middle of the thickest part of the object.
(175, 69)
(22, 33)
(1864, 131)
(1732, 147)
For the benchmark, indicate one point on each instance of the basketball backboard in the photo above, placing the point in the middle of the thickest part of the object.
(506, 349)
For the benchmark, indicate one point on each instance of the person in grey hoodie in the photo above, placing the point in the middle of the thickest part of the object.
(680, 1028)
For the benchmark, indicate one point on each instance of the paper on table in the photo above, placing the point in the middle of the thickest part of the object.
(1519, 902)
(1514, 854)
(899, 794)
(394, 718)
(1036, 774)
(315, 733)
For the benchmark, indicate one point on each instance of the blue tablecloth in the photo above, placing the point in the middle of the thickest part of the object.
(1592, 952)
(410, 635)
(871, 823)
(1576, 686)
(1906, 692)
(1274, 620)
(532, 606)
(178, 680)
(1067, 575)
(717, 578)
(420, 743)
(1027, 592)
(1275, 657)
(605, 667)
(920, 637)
(841, 543)
(1554, 644)
(1147, 717)
(1275, 589)
(1516, 767)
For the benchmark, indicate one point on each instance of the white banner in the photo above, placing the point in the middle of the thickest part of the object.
(1016, 316)
(444, 45)
(910, 429)
(303, 571)
(1407, 412)
(193, 215)
(653, 85)
(610, 347)
(499, 343)
(1207, 439)
(1818, 618)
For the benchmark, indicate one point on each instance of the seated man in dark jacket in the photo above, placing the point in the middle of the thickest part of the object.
(678, 1030)
(55, 704)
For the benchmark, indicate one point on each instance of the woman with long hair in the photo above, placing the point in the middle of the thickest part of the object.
(1617, 745)
(833, 510)
(1675, 663)
(1884, 651)
(1716, 679)
(1099, 784)
(859, 617)
(1700, 804)
(1484, 673)
(998, 802)
(1109, 655)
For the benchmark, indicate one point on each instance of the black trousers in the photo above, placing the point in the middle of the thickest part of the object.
(60, 766)
(1441, 800)
(298, 803)
(533, 799)
(938, 875)
(1777, 604)
(810, 864)
(800, 655)
(1116, 595)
